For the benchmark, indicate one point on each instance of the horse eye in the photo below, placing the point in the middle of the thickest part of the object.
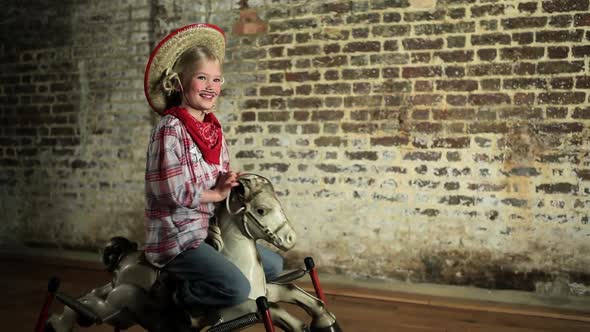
(260, 211)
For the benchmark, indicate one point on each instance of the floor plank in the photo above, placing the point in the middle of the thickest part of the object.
(25, 284)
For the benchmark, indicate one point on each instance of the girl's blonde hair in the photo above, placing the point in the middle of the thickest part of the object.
(183, 71)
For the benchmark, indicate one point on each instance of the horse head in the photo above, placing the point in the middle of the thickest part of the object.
(263, 216)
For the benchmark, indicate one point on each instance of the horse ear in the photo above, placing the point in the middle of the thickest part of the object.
(243, 190)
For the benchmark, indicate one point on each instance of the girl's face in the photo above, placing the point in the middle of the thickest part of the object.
(204, 88)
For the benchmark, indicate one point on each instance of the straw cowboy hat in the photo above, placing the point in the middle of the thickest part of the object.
(159, 67)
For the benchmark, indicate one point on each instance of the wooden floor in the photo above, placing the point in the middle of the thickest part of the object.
(24, 281)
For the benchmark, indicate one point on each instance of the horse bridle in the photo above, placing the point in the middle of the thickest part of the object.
(249, 215)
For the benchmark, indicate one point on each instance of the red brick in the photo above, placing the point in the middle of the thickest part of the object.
(556, 112)
(301, 115)
(582, 20)
(456, 100)
(274, 39)
(335, 88)
(386, 4)
(561, 127)
(489, 69)
(524, 83)
(456, 41)
(331, 48)
(463, 114)
(363, 101)
(411, 72)
(330, 141)
(275, 167)
(559, 36)
(381, 114)
(566, 83)
(423, 86)
(558, 52)
(366, 128)
(524, 98)
(525, 68)
(424, 16)
(524, 22)
(425, 99)
(523, 38)
(487, 10)
(248, 116)
(362, 155)
(309, 128)
(273, 116)
(489, 99)
(480, 128)
(553, 6)
(275, 91)
(583, 82)
(354, 74)
(457, 85)
(557, 188)
(561, 21)
(330, 61)
(520, 53)
(581, 51)
(422, 44)
(444, 28)
(255, 103)
(451, 142)
(369, 46)
(525, 113)
(327, 115)
(427, 127)
(491, 39)
(364, 18)
(581, 113)
(455, 56)
(562, 98)
(303, 90)
(361, 88)
(421, 57)
(293, 24)
(423, 156)
(275, 64)
(302, 76)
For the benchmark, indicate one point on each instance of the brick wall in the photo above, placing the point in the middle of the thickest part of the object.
(439, 141)
(74, 124)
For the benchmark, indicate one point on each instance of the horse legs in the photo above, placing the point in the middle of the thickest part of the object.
(95, 300)
(286, 321)
(123, 306)
(322, 319)
(280, 317)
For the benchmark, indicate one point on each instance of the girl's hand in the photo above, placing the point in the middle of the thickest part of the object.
(225, 182)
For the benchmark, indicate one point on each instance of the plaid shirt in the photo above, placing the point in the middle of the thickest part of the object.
(176, 174)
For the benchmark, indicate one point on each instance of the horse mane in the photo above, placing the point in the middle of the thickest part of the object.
(256, 184)
(114, 251)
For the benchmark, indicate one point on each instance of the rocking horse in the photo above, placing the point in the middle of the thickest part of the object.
(140, 293)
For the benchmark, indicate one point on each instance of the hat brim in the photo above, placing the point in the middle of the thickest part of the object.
(169, 50)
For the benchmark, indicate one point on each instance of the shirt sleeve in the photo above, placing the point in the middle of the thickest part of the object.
(166, 182)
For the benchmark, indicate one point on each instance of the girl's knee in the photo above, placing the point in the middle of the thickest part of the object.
(238, 289)
(273, 266)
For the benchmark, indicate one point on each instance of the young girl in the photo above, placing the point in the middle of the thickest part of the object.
(188, 171)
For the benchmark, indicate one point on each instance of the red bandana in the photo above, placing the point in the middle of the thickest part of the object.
(207, 134)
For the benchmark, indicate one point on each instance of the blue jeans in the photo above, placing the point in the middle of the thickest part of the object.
(209, 279)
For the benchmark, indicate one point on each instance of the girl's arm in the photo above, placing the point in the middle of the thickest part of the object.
(165, 181)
